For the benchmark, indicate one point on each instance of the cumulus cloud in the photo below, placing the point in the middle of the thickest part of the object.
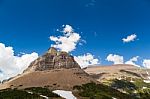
(146, 63)
(68, 41)
(116, 59)
(132, 61)
(11, 65)
(86, 60)
(129, 38)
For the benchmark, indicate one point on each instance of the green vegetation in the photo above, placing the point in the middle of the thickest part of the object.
(144, 93)
(124, 85)
(17, 94)
(120, 89)
(143, 89)
(140, 84)
(138, 88)
(28, 93)
(99, 91)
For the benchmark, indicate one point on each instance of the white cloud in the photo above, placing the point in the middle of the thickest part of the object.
(11, 65)
(146, 63)
(68, 41)
(129, 38)
(68, 29)
(116, 59)
(132, 61)
(86, 59)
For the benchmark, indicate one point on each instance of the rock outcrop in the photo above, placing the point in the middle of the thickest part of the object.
(53, 59)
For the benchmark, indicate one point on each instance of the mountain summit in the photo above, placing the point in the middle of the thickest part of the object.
(53, 59)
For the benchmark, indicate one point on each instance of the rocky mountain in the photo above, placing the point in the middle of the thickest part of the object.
(55, 68)
(53, 59)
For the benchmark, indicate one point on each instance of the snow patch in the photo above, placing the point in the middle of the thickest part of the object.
(146, 81)
(65, 94)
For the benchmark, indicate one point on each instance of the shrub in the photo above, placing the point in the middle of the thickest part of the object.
(99, 91)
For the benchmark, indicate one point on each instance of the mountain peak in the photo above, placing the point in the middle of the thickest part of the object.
(52, 50)
(53, 59)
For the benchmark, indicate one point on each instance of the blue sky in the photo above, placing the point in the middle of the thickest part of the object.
(27, 24)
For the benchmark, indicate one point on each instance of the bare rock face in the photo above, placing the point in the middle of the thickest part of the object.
(53, 59)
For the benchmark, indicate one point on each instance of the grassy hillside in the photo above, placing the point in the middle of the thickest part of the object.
(120, 89)
(99, 91)
(138, 88)
(29, 93)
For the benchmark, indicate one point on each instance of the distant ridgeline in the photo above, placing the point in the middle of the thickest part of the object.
(53, 59)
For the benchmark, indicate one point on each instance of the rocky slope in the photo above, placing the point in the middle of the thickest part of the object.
(119, 71)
